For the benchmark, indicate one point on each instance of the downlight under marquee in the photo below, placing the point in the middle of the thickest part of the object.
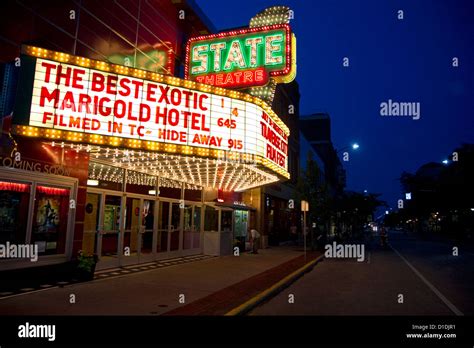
(155, 124)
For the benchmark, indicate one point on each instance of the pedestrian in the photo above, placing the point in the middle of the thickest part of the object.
(255, 236)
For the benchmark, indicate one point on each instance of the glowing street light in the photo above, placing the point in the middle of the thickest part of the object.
(445, 161)
(304, 209)
(353, 146)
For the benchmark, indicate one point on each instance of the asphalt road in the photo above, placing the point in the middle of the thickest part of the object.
(430, 279)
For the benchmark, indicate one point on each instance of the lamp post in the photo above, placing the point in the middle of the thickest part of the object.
(304, 209)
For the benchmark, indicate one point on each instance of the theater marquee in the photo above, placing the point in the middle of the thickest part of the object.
(81, 100)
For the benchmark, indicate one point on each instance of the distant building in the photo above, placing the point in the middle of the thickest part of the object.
(317, 130)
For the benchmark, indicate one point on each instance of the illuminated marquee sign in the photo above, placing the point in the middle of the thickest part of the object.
(241, 58)
(116, 105)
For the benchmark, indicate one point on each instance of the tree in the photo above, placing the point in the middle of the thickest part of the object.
(356, 208)
(312, 188)
(442, 194)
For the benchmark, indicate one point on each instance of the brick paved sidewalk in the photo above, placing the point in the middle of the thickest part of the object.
(221, 302)
(211, 286)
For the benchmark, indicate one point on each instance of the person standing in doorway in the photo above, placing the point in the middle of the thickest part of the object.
(255, 237)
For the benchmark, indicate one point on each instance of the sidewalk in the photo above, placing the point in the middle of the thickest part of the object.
(210, 287)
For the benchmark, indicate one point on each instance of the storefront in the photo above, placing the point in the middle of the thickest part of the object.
(35, 210)
(39, 192)
(128, 164)
(146, 217)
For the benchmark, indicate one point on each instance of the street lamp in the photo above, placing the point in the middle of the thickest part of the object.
(344, 153)
(354, 146)
(304, 209)
(445, 161)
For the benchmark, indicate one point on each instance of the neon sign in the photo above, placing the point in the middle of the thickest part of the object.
(241, 58)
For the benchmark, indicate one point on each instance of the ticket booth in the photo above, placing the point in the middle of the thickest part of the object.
(218, 230)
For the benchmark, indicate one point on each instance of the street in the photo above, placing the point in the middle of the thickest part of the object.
(431, 280)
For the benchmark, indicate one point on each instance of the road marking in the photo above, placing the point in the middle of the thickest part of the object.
(431, 286)
(28, 293)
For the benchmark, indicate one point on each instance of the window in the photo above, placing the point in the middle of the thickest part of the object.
(210, 221)
(14, 205)
(51, 211)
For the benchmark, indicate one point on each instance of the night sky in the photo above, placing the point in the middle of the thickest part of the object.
(407, 60)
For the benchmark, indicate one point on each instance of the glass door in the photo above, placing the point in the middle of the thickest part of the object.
(148, 220)
(226, 227)
(163, 227)
(111, 225)
(91, 223)
(188, 227)
(196, 239)
(175, 227)
(211, 237)
(192, 227)
(132, 224)
(240, 228)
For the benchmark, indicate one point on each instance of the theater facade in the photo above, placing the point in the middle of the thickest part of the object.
(135, 164)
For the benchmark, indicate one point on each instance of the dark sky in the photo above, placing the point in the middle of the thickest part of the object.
(407, 60)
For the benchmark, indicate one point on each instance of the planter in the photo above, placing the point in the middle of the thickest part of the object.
(85, 267)
(85, 275)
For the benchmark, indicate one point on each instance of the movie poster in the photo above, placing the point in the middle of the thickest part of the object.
(47, 215)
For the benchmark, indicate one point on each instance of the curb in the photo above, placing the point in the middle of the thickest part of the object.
(273, 290)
